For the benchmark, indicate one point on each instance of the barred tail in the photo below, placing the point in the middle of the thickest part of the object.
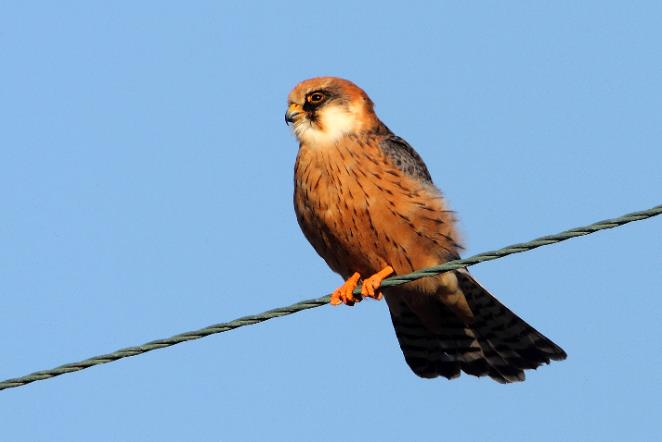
(496, 343)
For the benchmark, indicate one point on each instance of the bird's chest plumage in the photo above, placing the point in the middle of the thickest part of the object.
(359, 211)
(332, 203)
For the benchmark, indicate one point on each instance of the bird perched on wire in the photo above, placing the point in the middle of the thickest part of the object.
(366, 202)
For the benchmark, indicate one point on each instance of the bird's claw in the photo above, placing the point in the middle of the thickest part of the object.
(370, 288)
(343, 294)
(371, 285)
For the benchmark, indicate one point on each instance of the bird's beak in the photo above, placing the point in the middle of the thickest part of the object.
(293, 113)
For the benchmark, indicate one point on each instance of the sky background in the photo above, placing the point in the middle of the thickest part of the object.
(145, 190)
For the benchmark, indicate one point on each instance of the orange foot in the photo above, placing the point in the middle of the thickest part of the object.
(343, 294)
(370, 285)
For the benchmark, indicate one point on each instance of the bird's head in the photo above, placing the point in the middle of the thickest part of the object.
(323, 109)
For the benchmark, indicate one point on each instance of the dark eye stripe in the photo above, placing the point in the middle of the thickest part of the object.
(315, 99)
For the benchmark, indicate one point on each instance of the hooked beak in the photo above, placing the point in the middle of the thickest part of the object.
(293, 113)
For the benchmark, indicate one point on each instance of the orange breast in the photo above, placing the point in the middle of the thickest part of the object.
(360, 212)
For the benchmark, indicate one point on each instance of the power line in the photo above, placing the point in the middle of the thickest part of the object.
(312, 303)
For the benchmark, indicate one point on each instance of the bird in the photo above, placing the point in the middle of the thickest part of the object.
(366, 202)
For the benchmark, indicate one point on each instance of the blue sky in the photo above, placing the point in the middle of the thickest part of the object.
(145, 190)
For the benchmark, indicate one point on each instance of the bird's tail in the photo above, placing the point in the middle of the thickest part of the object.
(436, 341)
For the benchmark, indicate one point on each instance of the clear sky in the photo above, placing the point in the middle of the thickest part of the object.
(145, 190)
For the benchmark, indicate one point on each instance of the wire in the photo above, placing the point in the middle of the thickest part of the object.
(312, 303)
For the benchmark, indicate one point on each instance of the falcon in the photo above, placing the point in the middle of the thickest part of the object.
(366, 202)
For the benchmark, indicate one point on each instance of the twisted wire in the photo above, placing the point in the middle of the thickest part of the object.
(318, 302)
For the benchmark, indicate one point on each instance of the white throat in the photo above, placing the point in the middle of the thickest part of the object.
(332, 124)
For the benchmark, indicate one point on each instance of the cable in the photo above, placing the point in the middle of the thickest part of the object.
(312, 303)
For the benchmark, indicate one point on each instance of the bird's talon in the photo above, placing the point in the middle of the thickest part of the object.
(344, 295)
(370, 286)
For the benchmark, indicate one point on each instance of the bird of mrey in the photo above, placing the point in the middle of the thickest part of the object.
(366, 202)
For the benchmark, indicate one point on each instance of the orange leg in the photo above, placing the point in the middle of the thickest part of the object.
(343, 294)
(371, 285)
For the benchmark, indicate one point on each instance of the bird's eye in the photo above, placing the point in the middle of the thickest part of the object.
(315, 98)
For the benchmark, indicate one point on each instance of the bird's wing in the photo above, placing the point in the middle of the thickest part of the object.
(405, 157)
